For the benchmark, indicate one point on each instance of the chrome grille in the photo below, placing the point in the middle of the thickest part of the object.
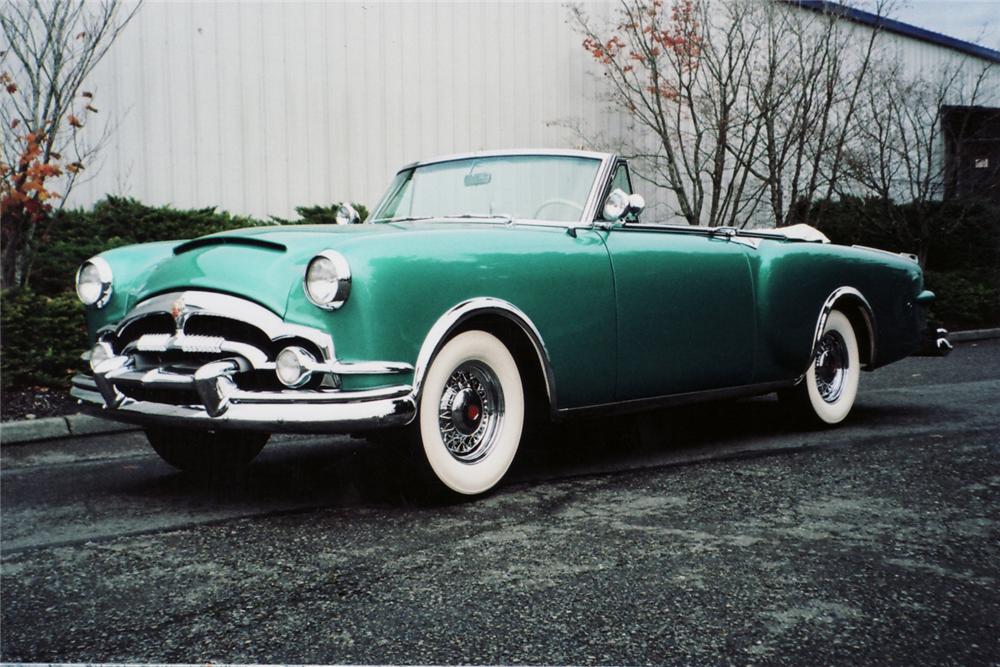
(184, 331)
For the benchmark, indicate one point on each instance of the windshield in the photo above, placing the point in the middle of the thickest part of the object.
(525, 187)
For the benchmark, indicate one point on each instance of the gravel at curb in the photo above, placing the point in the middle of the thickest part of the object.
(72, 426)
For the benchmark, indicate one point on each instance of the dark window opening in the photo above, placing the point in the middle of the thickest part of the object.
(972, 152)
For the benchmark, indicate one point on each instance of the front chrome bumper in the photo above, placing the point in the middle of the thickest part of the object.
(286, 411)
(196, 359)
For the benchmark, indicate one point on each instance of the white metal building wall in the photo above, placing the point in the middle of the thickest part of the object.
(258, 107)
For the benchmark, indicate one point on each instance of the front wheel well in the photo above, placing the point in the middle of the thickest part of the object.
(527, 356)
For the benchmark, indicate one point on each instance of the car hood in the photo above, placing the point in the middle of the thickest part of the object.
(266, 264)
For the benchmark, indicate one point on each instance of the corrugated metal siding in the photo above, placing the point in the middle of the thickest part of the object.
(257, 107)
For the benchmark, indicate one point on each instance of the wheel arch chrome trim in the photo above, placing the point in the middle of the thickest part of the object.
(860, 303)
(446, 325)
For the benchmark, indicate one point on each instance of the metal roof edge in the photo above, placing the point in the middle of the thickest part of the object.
(898, 27)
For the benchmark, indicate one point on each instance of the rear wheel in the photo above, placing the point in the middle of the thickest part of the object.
(827, 392)
(471, 415)
(206, 452)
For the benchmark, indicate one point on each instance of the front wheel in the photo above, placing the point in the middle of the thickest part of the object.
(205, 452)
(471, 414)
(827, 392)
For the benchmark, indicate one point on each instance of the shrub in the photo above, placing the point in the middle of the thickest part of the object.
(43, 337)
(965, 300)
(959, 235)
(961, 240)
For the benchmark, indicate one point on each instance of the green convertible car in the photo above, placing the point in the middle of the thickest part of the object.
(485, 290)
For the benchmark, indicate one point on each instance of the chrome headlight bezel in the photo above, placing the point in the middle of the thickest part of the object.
(96, 271)
(329, 270)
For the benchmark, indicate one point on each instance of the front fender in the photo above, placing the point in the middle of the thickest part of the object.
(402, 284)
(129, 265)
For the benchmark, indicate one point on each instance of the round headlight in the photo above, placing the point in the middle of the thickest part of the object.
(328, 280)
(93, 282)
(293, 366)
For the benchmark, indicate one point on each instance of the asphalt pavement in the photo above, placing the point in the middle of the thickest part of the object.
(704, 535)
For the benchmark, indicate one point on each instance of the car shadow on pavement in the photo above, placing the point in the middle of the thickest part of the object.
(345, 472)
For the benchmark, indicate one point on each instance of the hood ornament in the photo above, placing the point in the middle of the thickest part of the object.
(179, 312)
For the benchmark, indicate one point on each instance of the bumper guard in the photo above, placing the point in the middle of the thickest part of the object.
(935, 343)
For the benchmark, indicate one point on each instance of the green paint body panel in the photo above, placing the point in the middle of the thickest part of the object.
(685, 312)
(623, 313)
(405, 277)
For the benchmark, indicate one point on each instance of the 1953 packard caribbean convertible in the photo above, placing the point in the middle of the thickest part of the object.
(483, 288)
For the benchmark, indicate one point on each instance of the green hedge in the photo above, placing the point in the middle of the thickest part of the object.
(76, 235)
(43, 337)
(958, 235)
(43, 330)
(961, 243)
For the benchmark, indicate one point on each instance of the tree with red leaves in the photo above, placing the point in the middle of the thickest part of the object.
(50, 50)
(735, 105)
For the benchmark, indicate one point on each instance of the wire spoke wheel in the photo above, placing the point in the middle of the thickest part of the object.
(471, 411)
(832, 363)
(471, 414)
(829, 386)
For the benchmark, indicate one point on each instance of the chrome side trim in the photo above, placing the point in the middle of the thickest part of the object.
(195, 302)
(352, 367)
(850, 294)
(447, 323)
(362, 367)
(672, 400)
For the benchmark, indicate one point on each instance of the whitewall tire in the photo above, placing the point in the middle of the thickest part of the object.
(471, 413)
(830, 386)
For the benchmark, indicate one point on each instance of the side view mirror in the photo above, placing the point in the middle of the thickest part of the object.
(618, 205)
(347, 215)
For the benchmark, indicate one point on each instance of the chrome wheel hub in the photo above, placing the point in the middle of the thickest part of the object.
(831, 365)
(471, 411)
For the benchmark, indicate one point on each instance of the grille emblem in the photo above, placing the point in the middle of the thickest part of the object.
(179, 312)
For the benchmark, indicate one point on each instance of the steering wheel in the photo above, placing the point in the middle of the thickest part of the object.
(556, 202)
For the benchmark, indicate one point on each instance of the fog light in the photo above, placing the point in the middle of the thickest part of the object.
(294, 366)
(100, 353)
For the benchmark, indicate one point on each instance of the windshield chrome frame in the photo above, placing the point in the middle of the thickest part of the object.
(587, 219)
